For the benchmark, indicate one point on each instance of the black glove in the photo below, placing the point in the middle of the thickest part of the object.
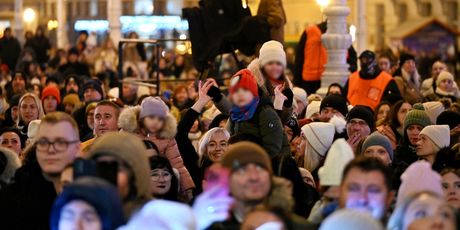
(290, 97)
(215, 94)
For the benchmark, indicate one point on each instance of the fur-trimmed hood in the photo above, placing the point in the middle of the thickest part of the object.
(128, 121)
(279, 196)
(12, 164)
(255, 68)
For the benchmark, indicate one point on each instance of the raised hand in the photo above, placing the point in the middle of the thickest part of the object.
(279, 98)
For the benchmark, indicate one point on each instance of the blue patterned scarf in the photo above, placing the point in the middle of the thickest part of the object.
(244, 113)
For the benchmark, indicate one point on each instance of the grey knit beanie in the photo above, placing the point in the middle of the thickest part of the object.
(378, 139)
(153, 106)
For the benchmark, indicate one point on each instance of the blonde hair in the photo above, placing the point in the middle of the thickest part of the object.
(38, 103)
(205, 139)
(57, 117)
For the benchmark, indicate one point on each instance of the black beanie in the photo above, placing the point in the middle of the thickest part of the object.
(362, 112)
(335, 101)
(450, 118)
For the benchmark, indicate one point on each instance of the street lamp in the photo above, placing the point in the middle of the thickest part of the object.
(322, 4)
(29, 15)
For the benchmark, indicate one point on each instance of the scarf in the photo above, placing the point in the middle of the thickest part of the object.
(244, 113)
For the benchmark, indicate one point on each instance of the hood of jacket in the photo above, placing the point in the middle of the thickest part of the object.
(12, 164)
(128, 121)
(280, 196)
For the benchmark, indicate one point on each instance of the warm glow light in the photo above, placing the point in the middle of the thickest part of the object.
(323, 3)
(52, 24)
(29, 15)
(353, 32)
(183, 37)
(244, 3)
(181, 49)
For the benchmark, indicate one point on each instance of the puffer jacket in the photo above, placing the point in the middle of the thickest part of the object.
(165, 142)
(266, 127)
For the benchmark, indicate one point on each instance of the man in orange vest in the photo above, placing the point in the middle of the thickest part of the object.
(369, 86)
(311, 56)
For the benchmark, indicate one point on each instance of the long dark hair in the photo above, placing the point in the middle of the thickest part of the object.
(393, 116)
(159, 162)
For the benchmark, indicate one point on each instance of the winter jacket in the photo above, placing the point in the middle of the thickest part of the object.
(165, 142)
(9, 51)
(27, 202)
(406, 154)
(266, 126)
(273, 11)
(409, 90)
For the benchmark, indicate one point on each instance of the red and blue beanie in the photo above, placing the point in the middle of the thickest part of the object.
(244, 79)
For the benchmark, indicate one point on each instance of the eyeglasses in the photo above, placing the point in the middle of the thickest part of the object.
(155, 176)
(58, 145)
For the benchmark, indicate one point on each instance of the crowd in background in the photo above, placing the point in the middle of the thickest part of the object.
(252, 148)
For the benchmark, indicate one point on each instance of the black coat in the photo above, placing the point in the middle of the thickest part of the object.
(9, 51)
(186, 149)
(26, 203)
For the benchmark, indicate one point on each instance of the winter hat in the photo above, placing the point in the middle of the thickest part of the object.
(162, 215)
(320, 136)
(439, 134)
(443, 76)
(244, 79)
(293, 124)
(362, 112)
(244, 152)
(335, 101)
(32, 130)
(153, 106)
(98, 193)
(272, 51)
(419, 177)
(94, 84)
(348, 219)
(433, 109)
(131, 150)
(337, 158)
(450, 118)
(51, 91)
(300, 95)
(312, 108)
(405, 57)
(378, 139)
(71, 99)
(417, 116)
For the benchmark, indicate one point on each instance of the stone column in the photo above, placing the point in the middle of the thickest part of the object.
(61, 36)
(18, 25)
(336, 40)
(361, 27)
(113, 15)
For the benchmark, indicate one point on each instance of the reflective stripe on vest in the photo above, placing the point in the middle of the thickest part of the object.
(315, 55)
(367, 91)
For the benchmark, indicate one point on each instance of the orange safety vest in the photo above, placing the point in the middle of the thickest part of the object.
(315, 55)
(367, 91)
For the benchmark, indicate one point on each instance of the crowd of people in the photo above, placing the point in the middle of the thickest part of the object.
(249, 151)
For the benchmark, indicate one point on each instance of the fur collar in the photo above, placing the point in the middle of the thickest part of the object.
(129, 121)
(13, 163)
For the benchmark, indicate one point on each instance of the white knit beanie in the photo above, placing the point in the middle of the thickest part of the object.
(312, 108)
(347, 219)
(439, 134)
(320, 136)
(444, 75)
(337, 158)
(300, 95)
(272, 51)
(433, 109)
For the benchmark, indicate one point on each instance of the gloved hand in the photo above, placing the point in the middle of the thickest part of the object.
(212, 206)
(215, 94)
(290, 97)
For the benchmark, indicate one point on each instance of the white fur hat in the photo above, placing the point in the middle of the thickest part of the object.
(272, 51)
(312, 108)
(337, 158)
